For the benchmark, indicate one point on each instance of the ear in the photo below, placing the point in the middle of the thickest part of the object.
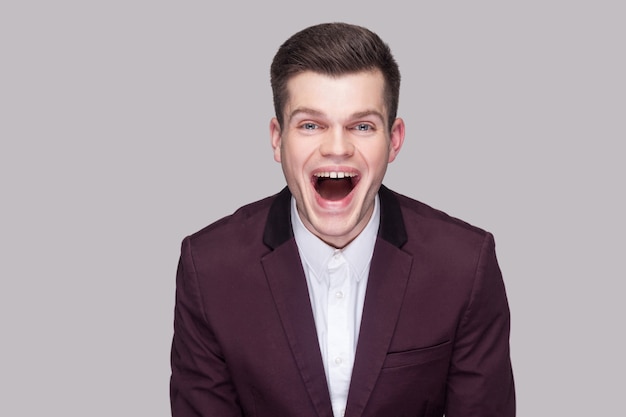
(396, 139)
(275, 136)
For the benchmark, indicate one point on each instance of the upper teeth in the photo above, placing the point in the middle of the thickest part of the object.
(334, 174)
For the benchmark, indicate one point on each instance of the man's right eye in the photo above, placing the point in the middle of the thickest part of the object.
(309, 126)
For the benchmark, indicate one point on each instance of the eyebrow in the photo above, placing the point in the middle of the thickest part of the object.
(304, 110)
(317, 113)
(366, 113)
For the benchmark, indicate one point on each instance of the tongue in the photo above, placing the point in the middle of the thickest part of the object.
(334, 189)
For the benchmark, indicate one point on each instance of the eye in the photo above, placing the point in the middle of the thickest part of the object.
(309, 126)
(363, 127)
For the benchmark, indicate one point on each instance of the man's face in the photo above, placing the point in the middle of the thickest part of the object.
(334, 149)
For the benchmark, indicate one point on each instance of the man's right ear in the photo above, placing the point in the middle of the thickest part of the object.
(275, 136)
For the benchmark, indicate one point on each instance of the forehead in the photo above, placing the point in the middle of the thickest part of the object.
(351, 92)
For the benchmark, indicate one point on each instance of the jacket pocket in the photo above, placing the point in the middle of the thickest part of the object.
(419, 356)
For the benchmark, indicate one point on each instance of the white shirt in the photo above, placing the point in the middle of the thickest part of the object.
(337, 279)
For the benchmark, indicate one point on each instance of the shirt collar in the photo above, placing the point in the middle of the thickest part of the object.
(316, 253)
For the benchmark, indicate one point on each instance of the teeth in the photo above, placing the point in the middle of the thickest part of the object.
(335, 174)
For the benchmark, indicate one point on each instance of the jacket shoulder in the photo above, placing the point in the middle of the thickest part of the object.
(421, 214)
(246, 220)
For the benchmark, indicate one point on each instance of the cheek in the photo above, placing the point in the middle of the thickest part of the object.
(297, 155)
(292, 164)
(377, 156)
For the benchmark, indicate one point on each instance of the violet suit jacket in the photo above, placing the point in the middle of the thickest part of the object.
(434, 334)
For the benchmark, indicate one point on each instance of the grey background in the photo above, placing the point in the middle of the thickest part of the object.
(126, 125)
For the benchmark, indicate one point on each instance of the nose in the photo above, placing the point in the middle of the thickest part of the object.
(337, 143)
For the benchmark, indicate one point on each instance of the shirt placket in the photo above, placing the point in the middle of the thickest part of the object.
(339, 337)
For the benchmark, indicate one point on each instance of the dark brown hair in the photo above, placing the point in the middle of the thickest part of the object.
(334, 49)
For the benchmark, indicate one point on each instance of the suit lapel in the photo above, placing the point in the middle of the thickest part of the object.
(285, 277)
(388, 278)
(389, 273)
(386, 286)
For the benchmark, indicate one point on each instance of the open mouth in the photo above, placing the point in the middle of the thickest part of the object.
(334, 186)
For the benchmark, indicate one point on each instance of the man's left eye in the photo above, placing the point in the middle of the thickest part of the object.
(363, 127)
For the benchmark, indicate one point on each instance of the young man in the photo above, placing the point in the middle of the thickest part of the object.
(337, 296)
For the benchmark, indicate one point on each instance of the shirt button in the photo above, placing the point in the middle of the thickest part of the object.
(339, 294)
(338, 360)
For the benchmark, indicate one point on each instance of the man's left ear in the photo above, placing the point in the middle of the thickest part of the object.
(396, 138)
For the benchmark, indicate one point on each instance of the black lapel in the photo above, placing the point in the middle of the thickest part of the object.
(389, 274)
(287, 282)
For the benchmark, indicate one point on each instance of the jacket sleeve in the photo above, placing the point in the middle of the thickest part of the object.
(480, 382)
(200, 383)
